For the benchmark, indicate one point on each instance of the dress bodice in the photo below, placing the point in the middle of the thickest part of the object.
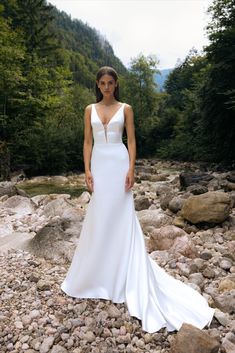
(112, 131)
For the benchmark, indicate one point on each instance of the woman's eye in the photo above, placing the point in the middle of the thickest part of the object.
(109, 83)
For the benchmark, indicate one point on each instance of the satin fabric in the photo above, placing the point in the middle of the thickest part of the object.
(111, 261)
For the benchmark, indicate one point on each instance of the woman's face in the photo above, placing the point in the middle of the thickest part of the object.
(107, 85)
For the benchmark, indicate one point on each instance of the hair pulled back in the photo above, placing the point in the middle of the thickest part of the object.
(106, 70)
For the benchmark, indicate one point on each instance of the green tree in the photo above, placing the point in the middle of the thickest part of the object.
(218, 108)
(33, 17)
(139, 89)
(178, 129)
(48, 64)
(12, 53)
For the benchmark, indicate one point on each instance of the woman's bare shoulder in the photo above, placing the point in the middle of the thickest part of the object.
(127, 106)
(87, 113)
(88, 108)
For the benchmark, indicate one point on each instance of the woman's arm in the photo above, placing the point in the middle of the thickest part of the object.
(87, 147)
(131, 142)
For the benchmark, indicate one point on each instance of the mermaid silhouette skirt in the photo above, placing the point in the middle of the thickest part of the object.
(111, 261)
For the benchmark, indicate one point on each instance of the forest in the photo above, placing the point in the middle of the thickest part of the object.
(48, 64)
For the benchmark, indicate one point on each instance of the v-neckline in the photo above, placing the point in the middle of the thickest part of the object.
(111, 117)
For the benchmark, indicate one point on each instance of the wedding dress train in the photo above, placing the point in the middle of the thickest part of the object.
(111, 261)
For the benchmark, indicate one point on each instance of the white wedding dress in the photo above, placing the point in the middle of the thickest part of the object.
(111, 261)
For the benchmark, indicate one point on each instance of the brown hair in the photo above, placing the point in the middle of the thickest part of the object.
(108, 70)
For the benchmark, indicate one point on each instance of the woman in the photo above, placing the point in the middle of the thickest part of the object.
(107, 91)
(111, 261)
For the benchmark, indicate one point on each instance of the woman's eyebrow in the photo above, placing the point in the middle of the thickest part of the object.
(108, 81)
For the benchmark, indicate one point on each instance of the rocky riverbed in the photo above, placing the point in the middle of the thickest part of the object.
(188, 219)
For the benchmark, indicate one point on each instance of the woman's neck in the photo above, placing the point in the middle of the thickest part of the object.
(109, 101)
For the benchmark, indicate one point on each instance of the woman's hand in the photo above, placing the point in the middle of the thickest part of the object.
(89, 180)
(130, 179)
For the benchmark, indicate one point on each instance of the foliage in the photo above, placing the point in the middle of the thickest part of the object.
(139, 89)
(47, 66)
(218, 108)
(197, 115)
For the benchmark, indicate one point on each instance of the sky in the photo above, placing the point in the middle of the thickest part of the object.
(167, 29)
